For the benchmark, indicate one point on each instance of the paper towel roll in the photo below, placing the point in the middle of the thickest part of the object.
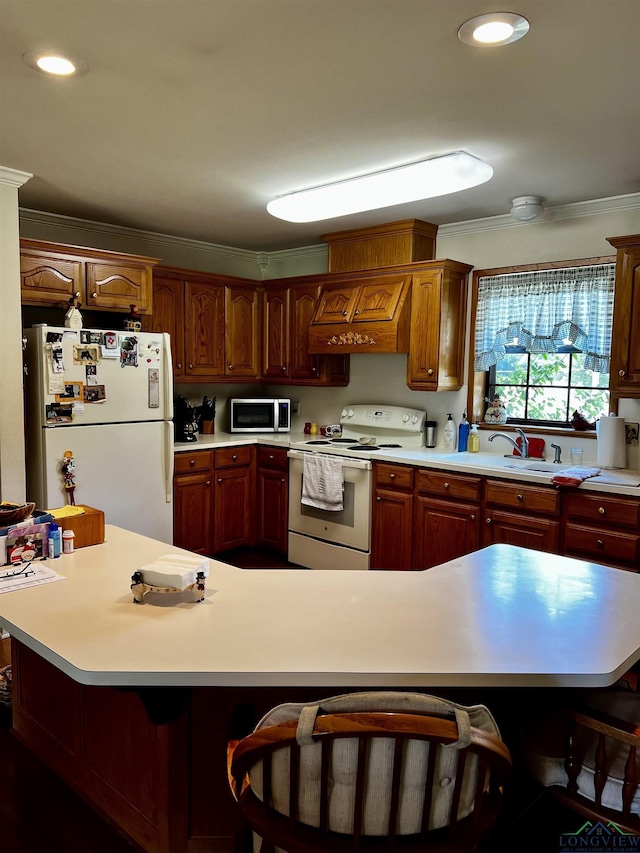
(612, 450)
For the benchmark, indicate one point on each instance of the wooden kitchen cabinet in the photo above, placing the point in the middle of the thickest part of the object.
(446, 517)
(286, 317)
(603, 529)
(213, 322)
(624, 378)
(438, 327)
(519, 514)
(234, 498)
(53, 273)
(193, 493)
(272, 499)
(392, 517)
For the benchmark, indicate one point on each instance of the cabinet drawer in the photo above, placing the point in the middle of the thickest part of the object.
(232, 457)
(519, 496)
(611, 510)
(272, 457)
(201, 460)
(445, 484)
(394, 476)
(602, 546)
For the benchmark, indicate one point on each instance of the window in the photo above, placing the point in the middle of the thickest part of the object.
(543, 341)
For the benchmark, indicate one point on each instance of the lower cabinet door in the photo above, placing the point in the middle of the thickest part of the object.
(444, 530)
(234, 509)
(273, 503)
(541, 534)
(391, 530)
(192, 515)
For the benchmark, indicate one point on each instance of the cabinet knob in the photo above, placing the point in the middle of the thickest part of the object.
(430, 371)
(77, 294)
(190, 367)
(179, 366)
(192, 462)
(355, 313)
(219, 479)
(283, 368)
(271, 456)
(622, 373)
(601, 510)
(488, 521)
(208, 483)
(599, 543)
(392, 476)
(313, 369)
(94, 295)
(235, 457)
(520, 498)
(344, 313)
(377, 499)
(446, 485)
(472, 517)
(282, 480)
(229, 367)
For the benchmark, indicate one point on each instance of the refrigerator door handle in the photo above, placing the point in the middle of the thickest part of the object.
(167, 373)
(168, 460)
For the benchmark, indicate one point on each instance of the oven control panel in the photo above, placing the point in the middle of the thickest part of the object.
(385, 417)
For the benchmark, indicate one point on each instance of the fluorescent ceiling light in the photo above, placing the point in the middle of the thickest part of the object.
(53, 62)
(426, 179)
(494, 29)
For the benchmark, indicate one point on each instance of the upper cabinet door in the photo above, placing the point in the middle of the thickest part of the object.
(624, 374)
(336, 304)
(50, 279)
(304, 365)
(118, 285)
(275, 333)
(204, 329)
(242, 331)
(378, 299)
(168, 316)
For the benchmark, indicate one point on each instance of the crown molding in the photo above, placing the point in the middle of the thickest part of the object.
(13, 177)
(576, 210)
(315, 252)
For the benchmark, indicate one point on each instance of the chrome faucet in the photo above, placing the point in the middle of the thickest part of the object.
(523, 449)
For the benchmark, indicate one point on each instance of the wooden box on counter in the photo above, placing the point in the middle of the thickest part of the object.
(88, 527)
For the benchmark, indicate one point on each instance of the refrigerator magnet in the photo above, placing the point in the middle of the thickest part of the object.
(72, 391)
(94, 394)
(86, 353)
(128, 351)
(91, 371)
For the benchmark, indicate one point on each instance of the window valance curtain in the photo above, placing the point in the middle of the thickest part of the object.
(542, 309)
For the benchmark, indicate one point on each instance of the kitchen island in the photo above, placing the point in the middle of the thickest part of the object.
(132, 704)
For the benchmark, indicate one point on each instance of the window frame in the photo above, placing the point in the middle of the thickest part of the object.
(476, 378)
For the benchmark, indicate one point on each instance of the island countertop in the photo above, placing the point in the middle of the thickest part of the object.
(502, 616)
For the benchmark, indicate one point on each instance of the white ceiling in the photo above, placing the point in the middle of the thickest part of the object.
(195, 113)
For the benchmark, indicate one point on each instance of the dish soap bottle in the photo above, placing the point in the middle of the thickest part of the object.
(463, 433)
(473, 445)
(449, 433)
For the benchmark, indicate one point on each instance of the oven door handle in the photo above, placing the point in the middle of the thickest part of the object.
(347, 462)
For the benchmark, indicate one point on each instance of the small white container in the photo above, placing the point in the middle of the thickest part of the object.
(576, 456)
(68, 537)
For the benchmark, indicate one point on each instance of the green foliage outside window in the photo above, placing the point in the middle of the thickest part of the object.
(548, 387)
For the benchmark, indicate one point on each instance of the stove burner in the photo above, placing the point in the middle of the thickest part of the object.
(363, 447)
(341, 441)
(389, 445)
(318, 441)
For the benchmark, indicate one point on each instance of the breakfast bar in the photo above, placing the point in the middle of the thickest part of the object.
(132, 704)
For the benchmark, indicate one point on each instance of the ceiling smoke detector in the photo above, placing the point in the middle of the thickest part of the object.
(527, 207)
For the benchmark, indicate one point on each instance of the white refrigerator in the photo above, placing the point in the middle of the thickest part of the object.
(107, 397)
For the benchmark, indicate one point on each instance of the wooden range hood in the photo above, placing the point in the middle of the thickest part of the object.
(360, 311)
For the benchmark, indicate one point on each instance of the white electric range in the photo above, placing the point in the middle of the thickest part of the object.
(322, 539)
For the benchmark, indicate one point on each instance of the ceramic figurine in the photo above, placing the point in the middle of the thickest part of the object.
(73, 317)
(496, 412)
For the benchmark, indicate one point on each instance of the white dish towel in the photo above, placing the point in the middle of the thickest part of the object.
(322, 482)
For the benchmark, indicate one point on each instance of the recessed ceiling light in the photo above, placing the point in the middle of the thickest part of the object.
(493, 29)
(53, 62)
(414, 182)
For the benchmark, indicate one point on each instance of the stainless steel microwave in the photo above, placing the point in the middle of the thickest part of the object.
(259, 415)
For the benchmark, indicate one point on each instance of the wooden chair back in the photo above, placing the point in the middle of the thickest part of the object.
(481, 768)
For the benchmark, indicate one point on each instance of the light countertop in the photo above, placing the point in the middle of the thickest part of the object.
(502, 616)
(616, 481)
